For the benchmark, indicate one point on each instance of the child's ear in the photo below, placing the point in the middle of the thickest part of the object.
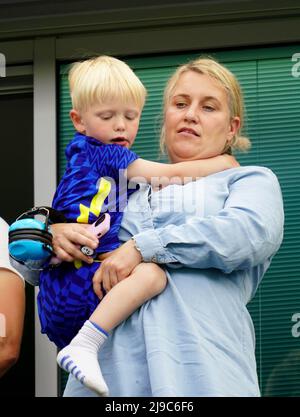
(77, 121)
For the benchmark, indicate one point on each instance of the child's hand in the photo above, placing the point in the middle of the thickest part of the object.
(229, 161)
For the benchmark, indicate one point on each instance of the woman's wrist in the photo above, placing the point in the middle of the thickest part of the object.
(148, 245)
(137, 249)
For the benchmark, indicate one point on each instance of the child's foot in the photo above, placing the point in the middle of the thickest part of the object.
(84, 366)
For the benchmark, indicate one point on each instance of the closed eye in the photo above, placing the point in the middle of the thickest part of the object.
(132, 115)
(105, 115)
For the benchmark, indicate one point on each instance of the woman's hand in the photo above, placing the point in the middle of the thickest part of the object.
(116, 267)
(68, 237)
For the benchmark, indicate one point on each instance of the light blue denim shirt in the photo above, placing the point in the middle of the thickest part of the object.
(216, 238)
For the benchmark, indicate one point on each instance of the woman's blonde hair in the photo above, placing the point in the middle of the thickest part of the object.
(227, 80)
(104, 79)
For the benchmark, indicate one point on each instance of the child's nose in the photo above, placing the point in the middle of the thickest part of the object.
(120, 124)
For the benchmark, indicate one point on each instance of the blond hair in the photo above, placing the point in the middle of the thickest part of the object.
(104, 79)
(228, 81)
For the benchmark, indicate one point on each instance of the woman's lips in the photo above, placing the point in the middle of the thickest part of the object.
(188, 131)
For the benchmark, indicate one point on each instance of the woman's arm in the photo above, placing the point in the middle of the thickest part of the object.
(182, 171)
(12, 309)
(245, 233)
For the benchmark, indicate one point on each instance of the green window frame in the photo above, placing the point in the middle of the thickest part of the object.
(272, 122)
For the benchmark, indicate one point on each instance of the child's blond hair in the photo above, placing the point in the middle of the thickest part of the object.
(104, 79)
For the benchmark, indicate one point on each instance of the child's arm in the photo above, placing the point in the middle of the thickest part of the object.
(186, 171)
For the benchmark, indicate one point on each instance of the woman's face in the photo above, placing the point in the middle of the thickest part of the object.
(197, 120)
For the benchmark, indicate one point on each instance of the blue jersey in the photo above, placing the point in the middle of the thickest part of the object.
(93, 183)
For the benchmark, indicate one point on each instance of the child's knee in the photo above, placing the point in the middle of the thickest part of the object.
(154, 277)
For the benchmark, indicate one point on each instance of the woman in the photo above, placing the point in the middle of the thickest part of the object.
(12, 306)
(216, 238)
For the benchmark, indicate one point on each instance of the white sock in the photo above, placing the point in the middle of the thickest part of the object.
(80, 358)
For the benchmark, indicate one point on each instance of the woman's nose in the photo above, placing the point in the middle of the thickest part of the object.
(191, 115)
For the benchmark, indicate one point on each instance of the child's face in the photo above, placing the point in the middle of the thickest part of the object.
(109, 123)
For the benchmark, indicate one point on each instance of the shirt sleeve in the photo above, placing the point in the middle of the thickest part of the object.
(4, 254)
(245, 233)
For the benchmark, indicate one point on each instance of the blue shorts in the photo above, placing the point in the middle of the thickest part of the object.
(66, 300)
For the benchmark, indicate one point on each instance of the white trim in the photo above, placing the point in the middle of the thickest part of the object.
(44, 187)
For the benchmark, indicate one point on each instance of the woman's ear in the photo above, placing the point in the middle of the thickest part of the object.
(77, 121)
(234, 126)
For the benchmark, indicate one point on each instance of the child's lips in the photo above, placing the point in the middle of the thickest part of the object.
(120, 141)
